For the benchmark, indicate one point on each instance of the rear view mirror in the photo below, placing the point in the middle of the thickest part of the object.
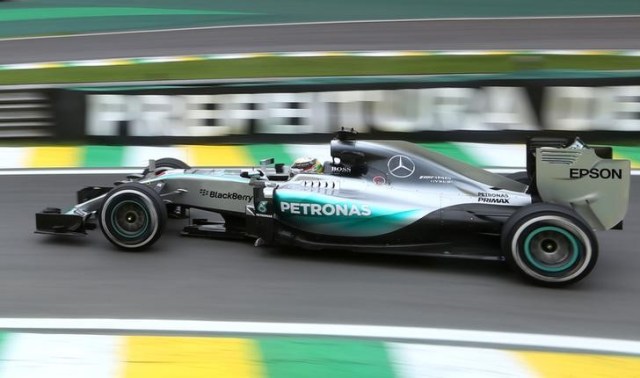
(252, 174)
(267, 162)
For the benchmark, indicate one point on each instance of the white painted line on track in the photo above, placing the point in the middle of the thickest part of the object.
(450, 19)
(591, 344)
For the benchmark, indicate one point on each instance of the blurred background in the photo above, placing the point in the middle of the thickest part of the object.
(88, 75)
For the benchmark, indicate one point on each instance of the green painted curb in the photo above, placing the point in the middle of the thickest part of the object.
(318, 358)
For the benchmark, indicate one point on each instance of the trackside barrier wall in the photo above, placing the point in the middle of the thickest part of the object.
(504, 108)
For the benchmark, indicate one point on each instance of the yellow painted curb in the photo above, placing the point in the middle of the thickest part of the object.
(53, 157)
(193, 357)
(566, 365)
(226, 156)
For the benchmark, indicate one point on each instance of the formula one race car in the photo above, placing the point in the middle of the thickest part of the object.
(389, 196)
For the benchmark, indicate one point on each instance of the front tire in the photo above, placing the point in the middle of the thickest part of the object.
(549, 245)
(133, 216)
(168, 163)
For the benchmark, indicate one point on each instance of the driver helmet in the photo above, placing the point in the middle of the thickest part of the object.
(306, 165)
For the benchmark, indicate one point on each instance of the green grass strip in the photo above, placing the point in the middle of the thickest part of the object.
(260, 67)
(31, 14)
(322, 358)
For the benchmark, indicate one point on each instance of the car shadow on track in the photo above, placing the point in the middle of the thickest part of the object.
(64, 241)
(473, 267)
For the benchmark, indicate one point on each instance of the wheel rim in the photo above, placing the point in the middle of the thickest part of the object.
(130, 219)
(551, 248)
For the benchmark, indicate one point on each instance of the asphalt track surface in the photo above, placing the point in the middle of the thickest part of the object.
(543, 33)
(194, 278)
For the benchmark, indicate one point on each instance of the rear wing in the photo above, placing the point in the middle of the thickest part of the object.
(586, 179)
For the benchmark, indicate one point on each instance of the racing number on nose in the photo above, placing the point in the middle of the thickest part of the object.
(401, 166)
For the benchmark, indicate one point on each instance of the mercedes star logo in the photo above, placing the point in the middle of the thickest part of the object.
(401, 166)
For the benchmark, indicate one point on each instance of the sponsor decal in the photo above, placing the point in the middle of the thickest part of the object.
(340, 169)
(379, 180)
(401, 166)
(327, 209)
(485, 197)
(595, 173)
(436, 179)
(225, 195)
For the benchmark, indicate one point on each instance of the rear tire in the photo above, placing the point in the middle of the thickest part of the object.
(549, 244)
(132, 216)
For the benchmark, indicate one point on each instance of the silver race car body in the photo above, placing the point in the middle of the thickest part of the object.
(388, 196)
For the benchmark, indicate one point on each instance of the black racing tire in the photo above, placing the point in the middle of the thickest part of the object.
(550, 245)
(169, 163)
(132, 216)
